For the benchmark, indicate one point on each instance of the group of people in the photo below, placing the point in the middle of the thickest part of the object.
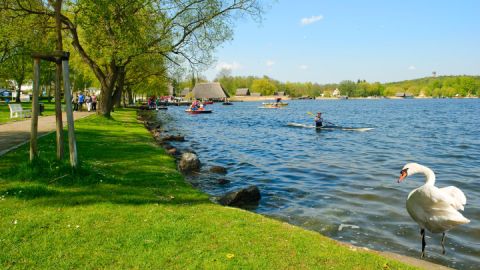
(79, 99)
(196, 105)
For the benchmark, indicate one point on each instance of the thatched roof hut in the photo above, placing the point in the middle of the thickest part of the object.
(256, 94)
(242, 92)
(281, 94)
(209, 91)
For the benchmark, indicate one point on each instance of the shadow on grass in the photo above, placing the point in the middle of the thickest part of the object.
(119, 164)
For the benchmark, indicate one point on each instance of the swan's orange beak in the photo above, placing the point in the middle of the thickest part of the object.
(403, 175)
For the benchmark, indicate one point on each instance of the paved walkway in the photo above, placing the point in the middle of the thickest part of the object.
(15, 134)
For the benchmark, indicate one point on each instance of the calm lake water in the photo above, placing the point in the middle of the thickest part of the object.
(321, 180)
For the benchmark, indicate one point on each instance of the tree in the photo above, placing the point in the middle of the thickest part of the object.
(264, 86)
(19, 36)
(347, 88)
(109, 35)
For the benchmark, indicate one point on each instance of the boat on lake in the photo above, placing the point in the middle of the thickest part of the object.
(275, 104)
(199, 111)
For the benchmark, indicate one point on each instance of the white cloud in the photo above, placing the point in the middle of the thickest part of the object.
(303, 67)
(228, 66)
(310, 20)
(270, 63)
(412, 67)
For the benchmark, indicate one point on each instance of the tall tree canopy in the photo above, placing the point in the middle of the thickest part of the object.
(110, 35)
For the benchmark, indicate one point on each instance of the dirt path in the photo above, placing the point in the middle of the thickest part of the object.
(15, 134)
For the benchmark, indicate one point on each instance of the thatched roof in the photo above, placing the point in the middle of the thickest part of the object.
(256, 94)
(209, 91)
(280, 94)
(184, 92)
(243, 92)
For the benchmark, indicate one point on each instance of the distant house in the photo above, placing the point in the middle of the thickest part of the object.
(256, 94)
(404, 95)
(184, 92)
(242, 92)
(213, 91)
(336, 93)
(281, 94)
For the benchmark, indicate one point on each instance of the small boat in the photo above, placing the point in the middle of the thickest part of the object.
(208, 102)
(276, 104)
(198, 111)
(227, 103)
(329, 127)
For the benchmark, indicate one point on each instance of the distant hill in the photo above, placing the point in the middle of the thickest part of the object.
(447, 86)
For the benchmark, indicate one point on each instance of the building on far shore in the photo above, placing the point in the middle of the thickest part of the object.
(281, 94)
(403, 95)
(254, 94)
(336, 93)
(242, 92)
(210, 91)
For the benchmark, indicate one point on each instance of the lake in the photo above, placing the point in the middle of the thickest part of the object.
(343, 183)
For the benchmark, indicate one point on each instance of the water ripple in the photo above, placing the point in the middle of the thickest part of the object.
(321, 180)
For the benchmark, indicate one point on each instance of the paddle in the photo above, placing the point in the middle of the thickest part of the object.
(312, 114)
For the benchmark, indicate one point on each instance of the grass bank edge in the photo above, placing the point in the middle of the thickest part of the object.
(128, 207)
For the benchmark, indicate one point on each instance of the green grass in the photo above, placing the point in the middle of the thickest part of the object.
(127, 207)
(5, 111)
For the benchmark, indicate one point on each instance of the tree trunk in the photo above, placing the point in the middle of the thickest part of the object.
(117, 96)
(19, 92)
(129, 96)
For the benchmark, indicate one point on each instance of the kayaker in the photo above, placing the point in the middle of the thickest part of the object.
(319, 120)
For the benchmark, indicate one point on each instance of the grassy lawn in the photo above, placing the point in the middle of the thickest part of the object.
(128, 208)
(5, 111)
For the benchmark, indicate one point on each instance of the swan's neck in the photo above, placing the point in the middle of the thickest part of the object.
(429, 175)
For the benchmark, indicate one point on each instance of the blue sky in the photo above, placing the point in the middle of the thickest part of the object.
(378, 40)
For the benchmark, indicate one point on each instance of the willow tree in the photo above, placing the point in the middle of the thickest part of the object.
(109, 35)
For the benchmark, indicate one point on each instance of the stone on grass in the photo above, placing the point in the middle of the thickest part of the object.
(243, 198)
(174, 138)
(189, 162)
(172, 151)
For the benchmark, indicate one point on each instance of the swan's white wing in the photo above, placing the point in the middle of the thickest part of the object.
(458, 199)
(433, 209)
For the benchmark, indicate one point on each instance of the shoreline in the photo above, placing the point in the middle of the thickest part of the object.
(396, 256)
(287, 98)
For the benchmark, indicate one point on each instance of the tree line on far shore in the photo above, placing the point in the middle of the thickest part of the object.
(443, 86)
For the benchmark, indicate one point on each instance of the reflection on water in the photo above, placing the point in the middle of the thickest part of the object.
(321, 180)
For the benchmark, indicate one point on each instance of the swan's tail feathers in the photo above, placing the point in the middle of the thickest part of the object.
(446, 221)
(456, 197)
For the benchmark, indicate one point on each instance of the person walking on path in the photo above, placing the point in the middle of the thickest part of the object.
(94, 102)
(88, 101)
(81, 100)
(75, 102)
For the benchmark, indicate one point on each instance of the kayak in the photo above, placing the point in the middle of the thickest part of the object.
(329, 127)
(271, 106)
(276, 104)
(208, 102)
(227, 103)
(198, 111)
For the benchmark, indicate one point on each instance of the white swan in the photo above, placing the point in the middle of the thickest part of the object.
(434, 209)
